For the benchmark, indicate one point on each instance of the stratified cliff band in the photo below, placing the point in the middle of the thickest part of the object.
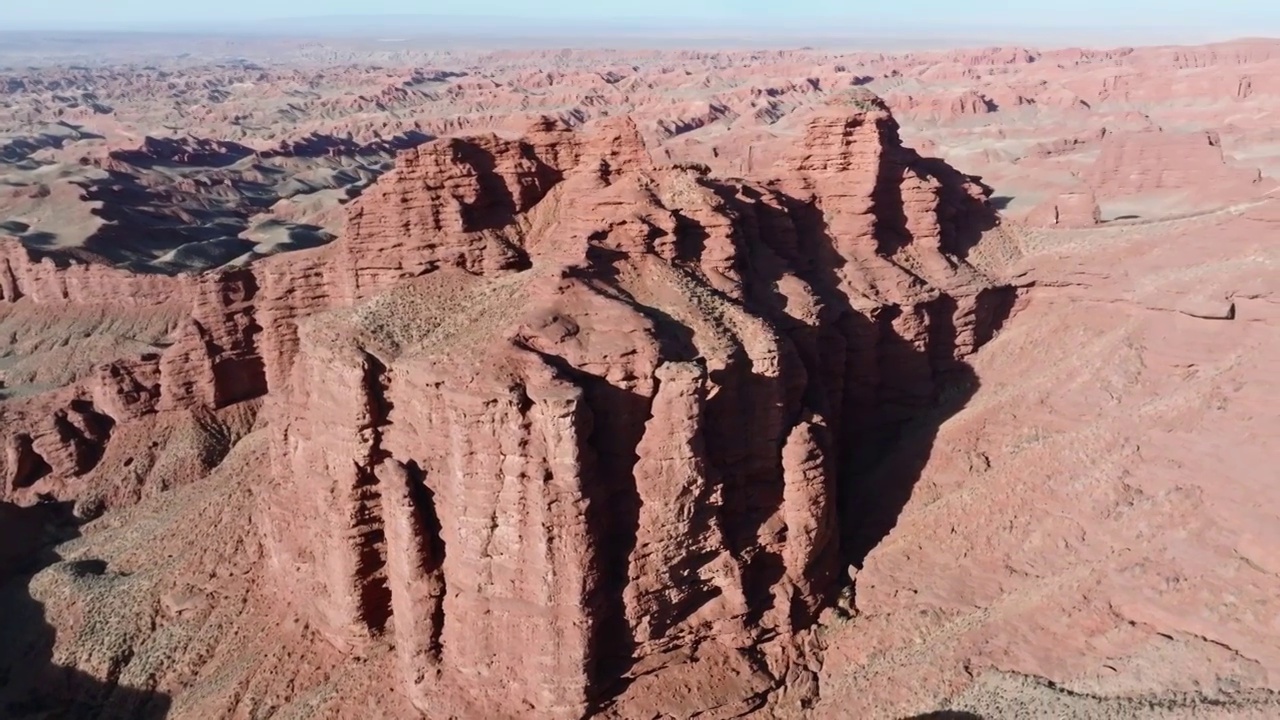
(553, 419)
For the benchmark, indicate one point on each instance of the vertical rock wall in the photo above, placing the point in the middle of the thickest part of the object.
(552, 419)
(628, 442)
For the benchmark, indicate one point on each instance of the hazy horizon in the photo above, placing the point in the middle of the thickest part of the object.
(824, 21)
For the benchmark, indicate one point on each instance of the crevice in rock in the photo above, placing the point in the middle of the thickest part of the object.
(371, 561)
(243, 375)
(86, 431)
(432, 546)
(941, 338)
(752, 494)
(691, 238)
(27, 466)
(891, 231)
(995, 307)
(368, 526)
(613, 517)
(376, 386)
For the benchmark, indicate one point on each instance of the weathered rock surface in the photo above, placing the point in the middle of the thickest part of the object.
(1157, 162)
(1076, 209)
(594, 411)
(555, 424)
(940, 108)
(211, 361)
(53, 278)
(552, 413)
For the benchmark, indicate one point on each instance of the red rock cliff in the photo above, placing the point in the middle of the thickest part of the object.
(55, 278)
(590, 421)
(561, 422)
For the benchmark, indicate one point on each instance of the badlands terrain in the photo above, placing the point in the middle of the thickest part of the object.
(352, 379)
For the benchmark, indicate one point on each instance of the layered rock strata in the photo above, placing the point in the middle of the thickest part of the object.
(211, 361)
(595, 413)
(56, 278)
(555, 420)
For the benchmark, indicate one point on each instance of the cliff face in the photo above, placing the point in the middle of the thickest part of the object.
(563, 423)
(592, 423)
(47, 278)
(211, 361)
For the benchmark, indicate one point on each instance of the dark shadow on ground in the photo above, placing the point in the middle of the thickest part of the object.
(882, 475)
(39, 239)
(946, 715)
(890, 456)
(1001, 202)
(32, 686)
(304, 236)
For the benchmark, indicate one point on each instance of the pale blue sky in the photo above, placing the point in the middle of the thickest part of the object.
(1240, 17)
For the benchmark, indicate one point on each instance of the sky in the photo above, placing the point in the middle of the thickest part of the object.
(1224, 18)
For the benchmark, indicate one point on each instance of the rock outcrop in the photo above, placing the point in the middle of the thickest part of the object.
(1072, 209)
(562, 421)
(941, 108)
(554, 422)
(593, 412)
(78, 278)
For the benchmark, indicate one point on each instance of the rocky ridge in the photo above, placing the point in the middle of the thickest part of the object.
(221, 163)
(551, 412)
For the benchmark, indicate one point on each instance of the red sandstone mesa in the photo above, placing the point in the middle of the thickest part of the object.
(551, 416)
